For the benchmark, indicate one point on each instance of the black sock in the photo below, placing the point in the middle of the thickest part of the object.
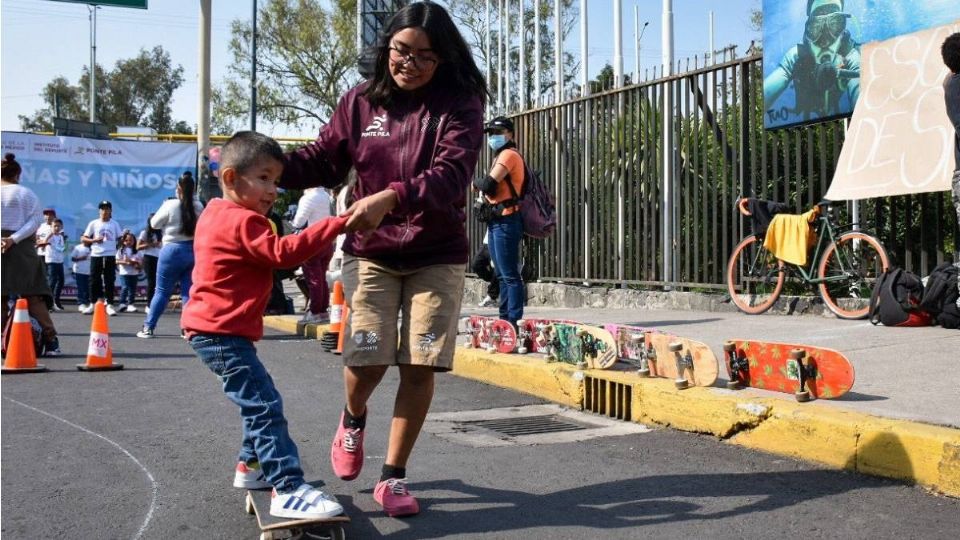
(354, 422)
(389, 471)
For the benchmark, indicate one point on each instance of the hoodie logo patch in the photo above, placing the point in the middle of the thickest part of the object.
(375, 129)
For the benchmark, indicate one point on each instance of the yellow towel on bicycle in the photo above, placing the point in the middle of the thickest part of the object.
(789, 236)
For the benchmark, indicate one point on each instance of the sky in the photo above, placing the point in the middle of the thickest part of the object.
(43, 39)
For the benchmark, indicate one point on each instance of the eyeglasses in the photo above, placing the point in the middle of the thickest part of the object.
(425, 63)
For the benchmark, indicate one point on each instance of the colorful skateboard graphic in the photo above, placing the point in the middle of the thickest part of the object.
(581, 345)
(272, 527)
(489, 333)
(630, 340)
(686, 361)
(531, 337)
(801, 370)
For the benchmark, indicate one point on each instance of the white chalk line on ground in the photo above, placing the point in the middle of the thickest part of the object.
(153, 483)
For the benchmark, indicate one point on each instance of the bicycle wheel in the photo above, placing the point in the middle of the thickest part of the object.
(852, 265)
(754, 276)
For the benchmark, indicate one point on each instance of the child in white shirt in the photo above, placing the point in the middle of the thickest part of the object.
(128, 264)
(80, 256)
(53, 253)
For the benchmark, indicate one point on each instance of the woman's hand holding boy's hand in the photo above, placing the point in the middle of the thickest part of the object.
(367, 213)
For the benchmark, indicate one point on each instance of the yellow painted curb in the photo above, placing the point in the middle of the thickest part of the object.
(293, 325)
(698, 409)
(553, 381)
(927, 455)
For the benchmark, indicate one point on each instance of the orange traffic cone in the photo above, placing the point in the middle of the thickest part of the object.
(21, 356)
(330, 337)
(343, 330)
(99, 353)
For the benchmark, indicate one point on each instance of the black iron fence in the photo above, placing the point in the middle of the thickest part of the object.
(621, 223)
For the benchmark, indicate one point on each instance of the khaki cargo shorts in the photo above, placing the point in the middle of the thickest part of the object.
(424, 303)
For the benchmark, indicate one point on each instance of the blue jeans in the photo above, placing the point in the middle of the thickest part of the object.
(174, 265)
(504, 245)
(55, 280)
(247, 384)
(128, 290)
(83, 288)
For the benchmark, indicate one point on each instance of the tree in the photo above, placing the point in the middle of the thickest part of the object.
(471, 17)
(306, 60)
(137, 92)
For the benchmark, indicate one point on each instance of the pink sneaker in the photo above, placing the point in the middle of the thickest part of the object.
(393, 496)
(346, 454)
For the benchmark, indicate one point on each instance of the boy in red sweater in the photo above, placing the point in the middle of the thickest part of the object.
(236, 252)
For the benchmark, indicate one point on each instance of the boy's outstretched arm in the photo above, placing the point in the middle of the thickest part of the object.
(270, 250)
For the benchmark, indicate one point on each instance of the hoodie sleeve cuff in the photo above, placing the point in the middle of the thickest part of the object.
(403, 199)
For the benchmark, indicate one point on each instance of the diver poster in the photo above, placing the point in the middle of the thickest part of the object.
(811, 51)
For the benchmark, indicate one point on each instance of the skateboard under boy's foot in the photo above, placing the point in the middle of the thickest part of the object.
(275, 528)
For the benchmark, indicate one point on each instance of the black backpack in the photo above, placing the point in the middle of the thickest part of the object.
(895, 300)
(940, 295)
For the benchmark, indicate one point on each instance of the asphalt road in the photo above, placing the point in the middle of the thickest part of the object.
(148, 452)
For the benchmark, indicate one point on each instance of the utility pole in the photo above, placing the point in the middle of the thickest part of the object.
(536, 53)
(558, 48)
(506, 57)
(93, 62)
(668, 150)
(486, 46)
(713, 47)
(203, 107)
(523, 57)
(617, 43)
(253, 71)
(584, 52)
(500, 58)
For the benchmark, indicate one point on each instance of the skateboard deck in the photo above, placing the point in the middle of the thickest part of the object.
(630, 340)
(274, 528)
(802, 370)
(688, 362)
(580, 344)
(490, 333)
(530, 336)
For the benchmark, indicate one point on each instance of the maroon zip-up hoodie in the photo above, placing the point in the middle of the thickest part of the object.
(425, 146)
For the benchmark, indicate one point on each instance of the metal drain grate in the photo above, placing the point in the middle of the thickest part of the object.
(525, 425)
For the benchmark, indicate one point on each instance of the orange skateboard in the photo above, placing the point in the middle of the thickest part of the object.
(686, 361)
(802, 370)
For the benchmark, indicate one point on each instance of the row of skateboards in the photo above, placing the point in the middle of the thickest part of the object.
(803, 370)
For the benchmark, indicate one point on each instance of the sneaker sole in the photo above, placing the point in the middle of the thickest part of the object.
(284, 513)
(252, 484)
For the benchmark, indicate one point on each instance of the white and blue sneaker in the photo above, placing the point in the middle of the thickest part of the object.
(306, 502)
(248, 476)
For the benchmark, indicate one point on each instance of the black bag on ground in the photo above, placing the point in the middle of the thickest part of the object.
(895, 300)
(940, 295)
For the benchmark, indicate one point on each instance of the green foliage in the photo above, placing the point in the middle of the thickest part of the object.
(306, 59)
(137, 92)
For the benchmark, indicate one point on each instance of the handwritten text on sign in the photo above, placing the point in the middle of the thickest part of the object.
(900, 140)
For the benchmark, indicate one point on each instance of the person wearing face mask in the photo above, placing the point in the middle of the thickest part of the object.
(824, 68)
(505, 226)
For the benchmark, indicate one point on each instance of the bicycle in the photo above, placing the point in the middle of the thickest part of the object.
(844, 266)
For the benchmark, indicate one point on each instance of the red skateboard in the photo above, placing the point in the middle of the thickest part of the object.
(490, 333)
(531, 336)
(801, 370)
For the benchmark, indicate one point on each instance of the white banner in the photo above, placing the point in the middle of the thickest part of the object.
(900, 140)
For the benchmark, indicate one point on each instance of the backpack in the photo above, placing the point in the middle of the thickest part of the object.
(940, 295)
(895, 300)
(537, 207)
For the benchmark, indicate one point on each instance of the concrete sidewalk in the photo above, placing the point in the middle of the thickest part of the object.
(900, 420)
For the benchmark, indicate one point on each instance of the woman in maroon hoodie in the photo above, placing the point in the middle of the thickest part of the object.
(413, 133)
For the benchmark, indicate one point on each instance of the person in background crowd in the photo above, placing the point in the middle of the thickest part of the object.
(313, 206)
(102, 235)
(129, 263)
(413, 134)
(80, 256)
(49, 215)
(482, 266)
(54, 248)
(177, 218)
(148, 245)
(950, 50)
(21, 271)
(500, 187)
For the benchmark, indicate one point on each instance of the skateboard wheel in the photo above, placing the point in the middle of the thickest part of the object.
(802, 397)
(729, 346)
(681, 384)
(267, 535)
(521, 322)
(522, 350)
(643, 373)
(676, 346)
(491, 349)
(734, 385)
(581, 365)
(798, 354)
(249, 504)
